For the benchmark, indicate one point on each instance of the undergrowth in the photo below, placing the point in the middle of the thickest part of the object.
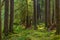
(40, 34)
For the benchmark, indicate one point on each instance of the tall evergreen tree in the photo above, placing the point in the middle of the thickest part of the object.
(6, 17)
(53, 12)
(57, 17)
(38, 11)
(27, 22)
(28, 19)
(47, 13)
(11, 15)
(35, 14)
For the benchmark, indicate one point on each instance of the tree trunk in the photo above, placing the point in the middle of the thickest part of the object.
(38, 12)
(35, 14)
(57, 17)
(0, 19)
(53, 12)
(6, 17)
(26, 15)
(11, 15)
(53, 15)
(28, 25)
(47, 14)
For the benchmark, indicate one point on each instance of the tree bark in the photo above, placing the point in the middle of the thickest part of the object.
(6, 17)
(53, 13)
(38, 12)
(47, 14)
(11, 15)
(35, 14)
(28, 23)
(57, 17)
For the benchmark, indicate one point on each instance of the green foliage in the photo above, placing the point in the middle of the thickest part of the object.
(26, 34)
(56, 37)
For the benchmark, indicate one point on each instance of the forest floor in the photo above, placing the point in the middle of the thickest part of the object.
(39, 34)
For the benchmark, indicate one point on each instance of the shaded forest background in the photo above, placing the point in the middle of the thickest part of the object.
(29, 19)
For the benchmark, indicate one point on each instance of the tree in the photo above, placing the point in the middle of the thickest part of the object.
(28, 19)
(35, 14)
(38, 11)
(47, 14)
(0, 19)
(53, 11)
(6, 17)
(42, 14)
(11, 15)
(57, 17)
(53, 19)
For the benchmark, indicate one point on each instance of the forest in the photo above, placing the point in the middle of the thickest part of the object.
(29, 19)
